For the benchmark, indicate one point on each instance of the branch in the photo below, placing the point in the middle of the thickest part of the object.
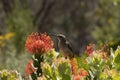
(39, 12)
(7, 6)
(46, 13)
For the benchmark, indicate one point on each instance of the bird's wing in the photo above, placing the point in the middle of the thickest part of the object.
(69, 46)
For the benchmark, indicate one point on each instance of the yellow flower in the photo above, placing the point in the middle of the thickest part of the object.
(1, 37)
(59, 61)
(106, 71)
(9, 35)
(46, 66)
(113, 72)
(4, 73)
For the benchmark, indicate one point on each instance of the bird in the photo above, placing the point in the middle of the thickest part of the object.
(65, 47)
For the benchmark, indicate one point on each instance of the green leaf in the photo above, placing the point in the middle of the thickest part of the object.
(117, 57)
(66, 77)
(33, 76)
(64, 71)
(81, 63)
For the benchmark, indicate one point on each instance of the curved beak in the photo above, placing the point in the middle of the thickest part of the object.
(54, 35)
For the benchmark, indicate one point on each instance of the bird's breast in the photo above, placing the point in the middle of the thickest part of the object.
(66, 52)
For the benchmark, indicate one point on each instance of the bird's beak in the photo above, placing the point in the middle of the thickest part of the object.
(57, 35)
(54, 35)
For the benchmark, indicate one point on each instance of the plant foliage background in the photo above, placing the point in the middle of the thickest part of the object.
(84, 22)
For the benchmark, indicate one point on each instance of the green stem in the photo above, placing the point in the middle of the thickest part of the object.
(37, 63)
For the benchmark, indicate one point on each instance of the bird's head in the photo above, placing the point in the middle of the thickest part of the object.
(60, 37)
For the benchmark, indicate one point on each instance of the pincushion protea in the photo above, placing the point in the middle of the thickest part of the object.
(90, 48)
(29, 68)
(78, 74)
(38, 43)
(74, 66)
(81, 74)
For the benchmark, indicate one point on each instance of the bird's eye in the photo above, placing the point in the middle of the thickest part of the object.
(60, 37)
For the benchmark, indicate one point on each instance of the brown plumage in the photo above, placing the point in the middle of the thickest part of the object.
(64, 46)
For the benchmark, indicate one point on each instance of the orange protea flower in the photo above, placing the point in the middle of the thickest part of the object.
(78, 74)
(74, 66)
(29, 68)
(38, 43)
(81, 74)
(90, 49)
(77, 77)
